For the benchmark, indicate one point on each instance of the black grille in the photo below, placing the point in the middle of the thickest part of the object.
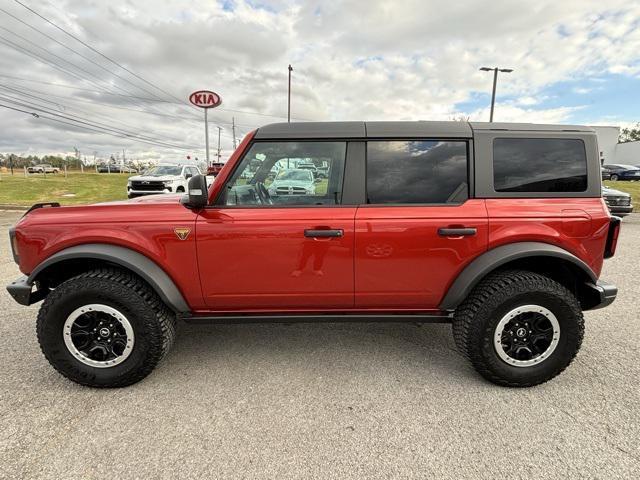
(290, 191)
(621, 201)
(147, 186)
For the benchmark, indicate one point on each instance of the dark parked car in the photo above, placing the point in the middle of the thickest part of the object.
(606, 173)
(214, 168)
(621, 172)
(618, 202)
(116, 169)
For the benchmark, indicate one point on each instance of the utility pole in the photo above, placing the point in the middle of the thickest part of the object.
(289, 96)
(124, 158)
(495, 71)
(219, 129)
(233, 127)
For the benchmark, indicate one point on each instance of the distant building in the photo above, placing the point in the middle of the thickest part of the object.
(611, 151)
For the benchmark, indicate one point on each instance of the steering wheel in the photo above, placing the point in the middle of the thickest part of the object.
(263, 194)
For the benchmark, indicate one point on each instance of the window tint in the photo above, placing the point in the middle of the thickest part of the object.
(288, 173)
(416, 172)
(539, 165)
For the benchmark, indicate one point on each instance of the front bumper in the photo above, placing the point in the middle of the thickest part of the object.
(603, 294)
(148, 192)
(21, 291)
(620, 208)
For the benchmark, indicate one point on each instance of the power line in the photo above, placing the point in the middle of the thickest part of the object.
(89, 128)
(97, 125)
(79, 54)
(95, 50)
(69, 48)
(181, 102)
(65, 107)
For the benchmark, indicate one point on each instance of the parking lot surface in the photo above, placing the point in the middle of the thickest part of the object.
(332, 400)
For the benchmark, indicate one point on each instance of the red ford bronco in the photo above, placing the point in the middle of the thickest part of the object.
(499, 229)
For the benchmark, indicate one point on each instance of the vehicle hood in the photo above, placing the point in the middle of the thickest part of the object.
(611, 191)
(155, 199)
(150, 178)
(290, 183)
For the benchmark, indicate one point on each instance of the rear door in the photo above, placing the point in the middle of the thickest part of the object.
(419, 227)
(275, 240)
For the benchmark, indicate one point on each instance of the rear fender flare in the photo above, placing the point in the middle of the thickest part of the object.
(489, 261)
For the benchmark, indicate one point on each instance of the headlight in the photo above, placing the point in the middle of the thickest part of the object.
(128, 183)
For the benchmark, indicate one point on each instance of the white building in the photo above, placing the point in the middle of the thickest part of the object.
(613, 152)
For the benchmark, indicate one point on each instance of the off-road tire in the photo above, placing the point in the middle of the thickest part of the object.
(475, 322)
(153, 323)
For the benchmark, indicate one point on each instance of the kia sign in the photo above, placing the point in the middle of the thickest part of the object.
(205, 99)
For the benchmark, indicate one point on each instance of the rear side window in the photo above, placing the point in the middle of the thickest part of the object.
(405, 172)
(539, 165)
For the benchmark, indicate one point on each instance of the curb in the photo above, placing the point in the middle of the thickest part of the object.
(17, 208)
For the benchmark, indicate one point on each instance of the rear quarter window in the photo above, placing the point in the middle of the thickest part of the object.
(539, 165)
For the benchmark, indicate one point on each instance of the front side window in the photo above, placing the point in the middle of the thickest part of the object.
(420, 172)
(539, 165)
(286, 173)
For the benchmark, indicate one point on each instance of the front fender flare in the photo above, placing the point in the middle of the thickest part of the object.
(496, 257)
(139, 264)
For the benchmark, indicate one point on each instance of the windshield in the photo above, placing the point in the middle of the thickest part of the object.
(301, 175)
(163, 170)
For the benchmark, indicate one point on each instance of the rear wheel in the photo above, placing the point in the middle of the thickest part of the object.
(105, 328)
(614, 177)
(519, 328)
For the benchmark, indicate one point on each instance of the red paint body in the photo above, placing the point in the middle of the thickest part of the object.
(390, 258)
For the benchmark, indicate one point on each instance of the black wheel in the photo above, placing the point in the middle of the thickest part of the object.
(614, 177)
(180, 190)
(105, 328)
(519, 328)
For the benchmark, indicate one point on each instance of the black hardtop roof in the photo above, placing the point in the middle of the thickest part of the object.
(417, 129)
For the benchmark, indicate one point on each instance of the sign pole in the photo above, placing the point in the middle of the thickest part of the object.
(205, 99)
(206, 134)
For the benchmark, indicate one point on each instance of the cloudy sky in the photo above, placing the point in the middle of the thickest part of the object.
(574, 61)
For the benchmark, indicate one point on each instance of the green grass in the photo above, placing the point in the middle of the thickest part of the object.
(632, 188)
(86, 188)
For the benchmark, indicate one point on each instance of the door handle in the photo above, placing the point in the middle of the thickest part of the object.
(322, 233)
(457, 232)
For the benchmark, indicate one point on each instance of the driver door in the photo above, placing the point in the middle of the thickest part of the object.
(277, 240)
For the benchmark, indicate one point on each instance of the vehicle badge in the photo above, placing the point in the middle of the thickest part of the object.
(182, 233)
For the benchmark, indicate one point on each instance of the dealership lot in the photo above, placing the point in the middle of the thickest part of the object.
(326, 400)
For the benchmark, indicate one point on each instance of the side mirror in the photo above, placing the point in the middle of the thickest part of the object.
(188, 175)
(197, 195)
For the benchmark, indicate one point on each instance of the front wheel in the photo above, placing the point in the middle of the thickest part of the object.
(519, 328)
(614, 177)
(105, 328)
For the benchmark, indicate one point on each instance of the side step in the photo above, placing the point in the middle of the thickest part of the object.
(318, 317)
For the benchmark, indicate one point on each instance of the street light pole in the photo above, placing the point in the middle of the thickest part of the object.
(289, 97)
(495, 82)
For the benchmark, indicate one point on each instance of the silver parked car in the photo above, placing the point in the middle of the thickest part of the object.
(293, 182)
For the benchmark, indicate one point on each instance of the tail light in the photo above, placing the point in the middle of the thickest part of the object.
(612, 237)
(14, 245)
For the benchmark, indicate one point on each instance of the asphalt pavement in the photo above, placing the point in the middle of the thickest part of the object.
(328, 400)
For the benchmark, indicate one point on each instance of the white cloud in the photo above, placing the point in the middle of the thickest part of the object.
(380, 60)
